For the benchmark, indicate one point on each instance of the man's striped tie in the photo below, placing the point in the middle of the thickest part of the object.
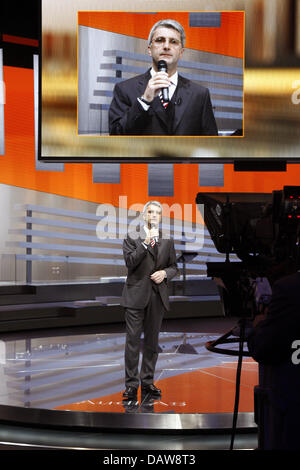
(152, 242)
(163, 102)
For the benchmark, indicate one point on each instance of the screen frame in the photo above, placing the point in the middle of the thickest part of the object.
(259, 163)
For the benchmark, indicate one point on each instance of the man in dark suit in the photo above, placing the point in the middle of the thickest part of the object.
(151, 263)
(137, 107)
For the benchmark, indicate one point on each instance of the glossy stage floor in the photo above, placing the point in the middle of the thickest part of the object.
(71, 379)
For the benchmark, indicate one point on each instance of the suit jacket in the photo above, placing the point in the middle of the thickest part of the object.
(271, 340)
(190, 109)
(141, 263)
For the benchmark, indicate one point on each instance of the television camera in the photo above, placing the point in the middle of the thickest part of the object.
(263, 232)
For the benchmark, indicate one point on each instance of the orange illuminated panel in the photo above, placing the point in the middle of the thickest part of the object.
(227, 39)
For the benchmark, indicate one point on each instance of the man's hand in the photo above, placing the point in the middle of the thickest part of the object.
(156, 83)
(152, 233)
(158, 276)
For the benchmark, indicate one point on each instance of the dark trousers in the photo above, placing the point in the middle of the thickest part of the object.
(148, 320)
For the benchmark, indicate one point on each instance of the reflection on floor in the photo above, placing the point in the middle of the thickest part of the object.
(84, 370)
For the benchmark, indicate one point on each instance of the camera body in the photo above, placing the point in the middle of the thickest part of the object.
(262, 230)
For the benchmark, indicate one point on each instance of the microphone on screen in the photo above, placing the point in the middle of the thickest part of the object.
(163, 67)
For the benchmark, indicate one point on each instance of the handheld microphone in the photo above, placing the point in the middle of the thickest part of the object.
(154, 226)
(163, 67)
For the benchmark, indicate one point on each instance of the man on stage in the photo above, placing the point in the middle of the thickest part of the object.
(161, 102)
(151, 263)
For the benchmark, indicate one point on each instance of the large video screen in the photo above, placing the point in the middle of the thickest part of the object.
(104, 67)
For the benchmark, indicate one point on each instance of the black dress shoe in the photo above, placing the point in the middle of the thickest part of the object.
(130, 393)
(151, 390)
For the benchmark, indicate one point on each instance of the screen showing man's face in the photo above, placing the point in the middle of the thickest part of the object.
(166, 45)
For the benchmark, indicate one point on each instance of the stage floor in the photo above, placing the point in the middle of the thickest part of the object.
(80, 372)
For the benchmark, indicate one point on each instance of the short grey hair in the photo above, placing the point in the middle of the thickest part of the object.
(149, 203)
(168, 24)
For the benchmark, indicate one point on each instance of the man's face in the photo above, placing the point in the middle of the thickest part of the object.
(166, 45)
(152, 215)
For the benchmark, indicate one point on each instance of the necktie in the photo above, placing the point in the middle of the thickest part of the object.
(163, 102)
(152, 242)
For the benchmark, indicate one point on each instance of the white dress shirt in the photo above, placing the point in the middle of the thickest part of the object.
(147, 231)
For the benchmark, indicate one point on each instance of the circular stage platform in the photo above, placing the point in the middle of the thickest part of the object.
(74, 382)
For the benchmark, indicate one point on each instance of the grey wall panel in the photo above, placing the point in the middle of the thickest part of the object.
(92, 43)
(211, 174)
(106, 173)
(205, 20)
(160, 180)
(2, 102)
(92, 118)
(12, 269)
